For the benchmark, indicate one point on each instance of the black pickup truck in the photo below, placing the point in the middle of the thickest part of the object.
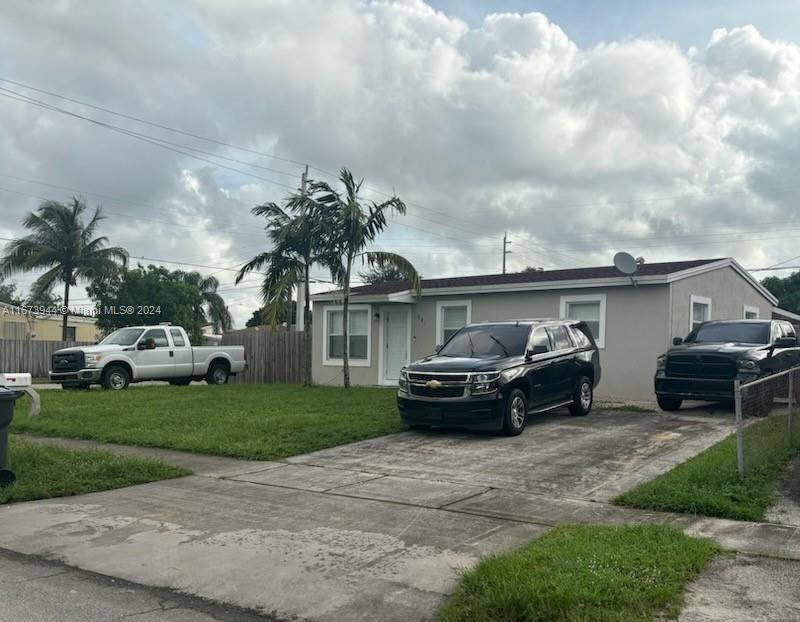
(704, 365)
(491, 376)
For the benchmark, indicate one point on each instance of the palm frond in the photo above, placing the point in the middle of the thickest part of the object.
(382, 259)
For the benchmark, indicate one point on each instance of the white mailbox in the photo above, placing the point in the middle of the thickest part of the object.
(15, 380)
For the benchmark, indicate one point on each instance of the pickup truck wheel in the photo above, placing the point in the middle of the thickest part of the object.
(217, 374)
(116, 378)
(668, 403)
(582, 398)
(515, 413)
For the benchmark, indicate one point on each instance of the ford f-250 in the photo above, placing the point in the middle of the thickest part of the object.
(138, 353)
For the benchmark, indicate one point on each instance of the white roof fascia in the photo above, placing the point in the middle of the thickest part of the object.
(725, 263)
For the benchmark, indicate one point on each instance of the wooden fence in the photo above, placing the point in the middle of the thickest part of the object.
(30, 356)
(272, 357)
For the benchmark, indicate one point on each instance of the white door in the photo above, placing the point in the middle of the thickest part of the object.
(155, 362)
(395, 343)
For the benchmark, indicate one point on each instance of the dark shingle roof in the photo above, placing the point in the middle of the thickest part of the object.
(567, 274)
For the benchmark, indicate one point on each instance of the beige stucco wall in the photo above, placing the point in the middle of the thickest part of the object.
(637, 321)
(47, 329)
(729, 292)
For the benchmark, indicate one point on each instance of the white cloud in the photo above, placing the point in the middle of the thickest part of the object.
(577, 152)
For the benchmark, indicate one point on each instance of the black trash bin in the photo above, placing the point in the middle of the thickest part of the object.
(7, 401)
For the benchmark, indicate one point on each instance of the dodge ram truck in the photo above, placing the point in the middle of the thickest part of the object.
(138, 353)
(704, 365)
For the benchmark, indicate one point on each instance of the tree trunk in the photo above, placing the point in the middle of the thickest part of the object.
(306, 325)
(66, 308)
(346, 325)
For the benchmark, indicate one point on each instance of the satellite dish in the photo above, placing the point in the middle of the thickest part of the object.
(625, 263)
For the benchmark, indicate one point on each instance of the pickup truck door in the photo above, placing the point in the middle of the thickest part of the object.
(157, 362)
(181, 354)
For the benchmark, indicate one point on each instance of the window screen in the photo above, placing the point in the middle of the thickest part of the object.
(589, 312)
(359, 334)
(453, 318)
(699, 313)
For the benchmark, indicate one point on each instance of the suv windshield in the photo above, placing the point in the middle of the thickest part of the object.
(735, 332)
(123, 337)
(498, 340)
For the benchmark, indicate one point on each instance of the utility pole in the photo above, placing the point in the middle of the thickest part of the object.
(506, 242)
(300, 325)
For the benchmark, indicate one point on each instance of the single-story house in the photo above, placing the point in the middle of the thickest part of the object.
(20, 323)
(633, 318)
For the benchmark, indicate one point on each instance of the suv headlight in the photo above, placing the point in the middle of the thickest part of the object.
(485, 382)
(661, 361)
(403, 380)
(747, 365)
(92, 359)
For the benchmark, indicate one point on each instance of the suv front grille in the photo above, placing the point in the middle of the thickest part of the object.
(441, 377)
(443, 392)
(68, 361)
(701, 366)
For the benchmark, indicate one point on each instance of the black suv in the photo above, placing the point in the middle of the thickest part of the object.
(704, 365)
(491, 376)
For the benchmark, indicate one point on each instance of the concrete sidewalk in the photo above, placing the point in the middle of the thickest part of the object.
(357, 532)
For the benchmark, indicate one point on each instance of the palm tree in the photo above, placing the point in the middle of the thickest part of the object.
(351, 226)
(296, 235)
(63, 245)
(213, 308)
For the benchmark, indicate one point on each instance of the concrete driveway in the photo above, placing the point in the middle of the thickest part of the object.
(373, 530)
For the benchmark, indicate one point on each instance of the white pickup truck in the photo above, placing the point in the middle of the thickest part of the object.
(138, 353)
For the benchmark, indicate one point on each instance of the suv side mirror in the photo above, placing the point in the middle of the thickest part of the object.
(785, 342)
(540, 349)
(146, 344)
(676, 341)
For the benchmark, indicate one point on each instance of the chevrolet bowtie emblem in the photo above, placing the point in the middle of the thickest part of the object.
(433, 384)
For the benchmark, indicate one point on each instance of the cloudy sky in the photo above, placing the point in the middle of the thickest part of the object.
(664, 129)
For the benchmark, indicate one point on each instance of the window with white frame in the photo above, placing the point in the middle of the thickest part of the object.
(750, 313)
(450, 317)
(358, 337)
(591, 309)
(699, 311)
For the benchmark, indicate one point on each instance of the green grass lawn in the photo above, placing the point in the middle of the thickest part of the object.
(247, 421)
(709, 483)
(45, 471)
(588, 573)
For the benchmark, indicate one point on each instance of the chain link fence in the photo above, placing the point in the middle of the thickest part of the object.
(774, 399)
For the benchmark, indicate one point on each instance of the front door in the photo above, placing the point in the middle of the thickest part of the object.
(395, 344)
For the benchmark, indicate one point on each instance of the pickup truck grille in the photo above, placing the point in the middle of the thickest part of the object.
(443, 392)
(700, 366)
(68, 361)
(444, 378)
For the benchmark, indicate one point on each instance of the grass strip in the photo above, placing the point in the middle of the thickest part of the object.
(586, 573)
(259, 422)
(709, 483)
(44, 471)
